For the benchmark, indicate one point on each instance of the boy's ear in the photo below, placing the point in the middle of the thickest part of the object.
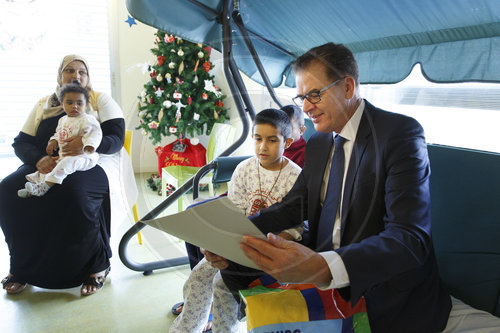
(302, 129)
(288, 142)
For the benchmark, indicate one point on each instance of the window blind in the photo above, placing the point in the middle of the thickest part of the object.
(34, 37)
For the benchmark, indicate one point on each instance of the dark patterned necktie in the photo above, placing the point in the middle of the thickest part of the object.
(332, 199)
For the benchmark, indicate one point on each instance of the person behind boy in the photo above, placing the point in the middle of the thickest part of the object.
(257, 183)
(75, 100)
(297, 150)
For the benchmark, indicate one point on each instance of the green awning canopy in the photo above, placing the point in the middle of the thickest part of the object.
(453, 40)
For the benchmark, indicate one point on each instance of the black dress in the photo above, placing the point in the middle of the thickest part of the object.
(59, 239)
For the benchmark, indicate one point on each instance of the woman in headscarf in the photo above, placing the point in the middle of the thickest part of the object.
(61, 240)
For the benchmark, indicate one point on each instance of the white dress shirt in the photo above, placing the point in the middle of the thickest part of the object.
(340, 278)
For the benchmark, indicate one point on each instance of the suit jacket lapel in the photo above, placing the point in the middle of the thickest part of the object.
(362, 138)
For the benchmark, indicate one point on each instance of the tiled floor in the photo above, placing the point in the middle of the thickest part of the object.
(129, 302)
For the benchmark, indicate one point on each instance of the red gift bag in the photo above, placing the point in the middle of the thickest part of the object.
(169, 155)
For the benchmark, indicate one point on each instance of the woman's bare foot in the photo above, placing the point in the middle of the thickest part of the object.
(12, 286)
(94, 282)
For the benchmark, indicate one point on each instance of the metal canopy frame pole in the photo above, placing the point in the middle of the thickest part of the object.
(231, 71)
(238, 90)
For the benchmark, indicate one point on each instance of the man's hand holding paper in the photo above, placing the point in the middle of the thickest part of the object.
(287, 261)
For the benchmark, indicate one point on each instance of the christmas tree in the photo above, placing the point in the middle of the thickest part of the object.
(181, 97)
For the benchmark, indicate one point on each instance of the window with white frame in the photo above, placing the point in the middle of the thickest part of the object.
(455, 114)
(34, 36)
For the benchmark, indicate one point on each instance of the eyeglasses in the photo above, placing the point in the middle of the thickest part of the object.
(314, 97)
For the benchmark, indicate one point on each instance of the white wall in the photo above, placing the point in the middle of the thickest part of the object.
(130, 49)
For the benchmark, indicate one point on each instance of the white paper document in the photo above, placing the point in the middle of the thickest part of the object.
(216, 226)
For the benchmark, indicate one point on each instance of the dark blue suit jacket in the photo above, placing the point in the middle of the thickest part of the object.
(386, 224)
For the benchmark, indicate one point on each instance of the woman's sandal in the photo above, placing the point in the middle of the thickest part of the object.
(13, 286)
(97, 281)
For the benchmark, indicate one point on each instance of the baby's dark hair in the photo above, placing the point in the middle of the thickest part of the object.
(74, 87)
(277, 118)
(294, 113)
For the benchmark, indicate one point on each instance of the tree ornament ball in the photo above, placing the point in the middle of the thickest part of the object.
(172, 129)
(194, 141)
(180, 53)
(171, 65)
(201, 54)
(167, 104)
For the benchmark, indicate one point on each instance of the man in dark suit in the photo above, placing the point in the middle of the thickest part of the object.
(376, 242)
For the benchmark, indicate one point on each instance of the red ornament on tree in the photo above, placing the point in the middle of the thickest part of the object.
(189, 100)
(219, 103)
(151, 100)
(161, 60)
(204, 96)
(206, 66)
(169, 38)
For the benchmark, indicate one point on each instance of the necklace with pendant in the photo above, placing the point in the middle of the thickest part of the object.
(263, 203)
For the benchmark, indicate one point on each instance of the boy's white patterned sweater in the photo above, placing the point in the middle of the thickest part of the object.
(248, 193)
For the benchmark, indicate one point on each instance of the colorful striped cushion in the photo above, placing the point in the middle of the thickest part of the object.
(271, 307)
